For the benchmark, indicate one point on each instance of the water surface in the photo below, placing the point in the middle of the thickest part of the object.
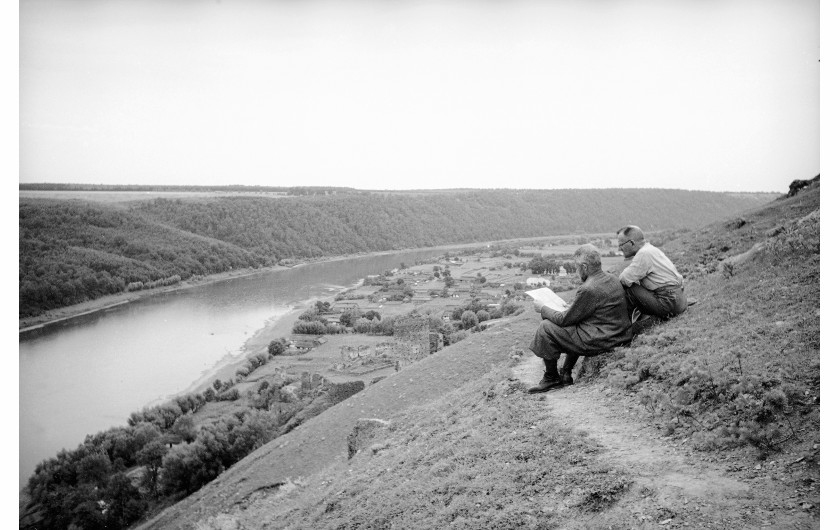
(87, 374)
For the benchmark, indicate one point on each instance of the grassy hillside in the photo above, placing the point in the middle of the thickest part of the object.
(72, 251)
(732, 384)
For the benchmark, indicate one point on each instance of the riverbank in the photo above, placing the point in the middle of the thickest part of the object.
(106, 302)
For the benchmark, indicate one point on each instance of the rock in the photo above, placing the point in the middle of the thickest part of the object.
(376, 448)
(363, 433)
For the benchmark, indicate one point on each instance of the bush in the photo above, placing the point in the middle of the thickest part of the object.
(468, 319)
(482, 315)
(277, 347)
(303, 327)
(231, 394)
(458, 336)
(349, 317)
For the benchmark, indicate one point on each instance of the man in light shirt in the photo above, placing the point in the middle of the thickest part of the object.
(651, 281)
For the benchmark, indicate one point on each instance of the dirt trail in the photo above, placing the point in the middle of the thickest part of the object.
(675, 486)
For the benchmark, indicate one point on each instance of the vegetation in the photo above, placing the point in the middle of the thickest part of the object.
(119, 476)
(738, 373)
(486, 455)
(73, 251)
(742, 367)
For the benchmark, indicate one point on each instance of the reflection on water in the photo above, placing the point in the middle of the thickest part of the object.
(85, 375)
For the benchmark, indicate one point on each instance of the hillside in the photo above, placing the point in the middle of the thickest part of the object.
(709, 420)
(72, 251)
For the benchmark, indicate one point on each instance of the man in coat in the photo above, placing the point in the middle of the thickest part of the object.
(651, 281)
(597, 320)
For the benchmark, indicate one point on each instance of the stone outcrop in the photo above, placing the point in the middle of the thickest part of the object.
(363, 433)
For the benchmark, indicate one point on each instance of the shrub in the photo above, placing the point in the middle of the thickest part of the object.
(363, 326)
(458, 336)
(209, 395)
(231, 394)
(468, 319)
(277, 347)
(303, 327)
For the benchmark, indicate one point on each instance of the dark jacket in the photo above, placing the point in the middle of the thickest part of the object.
(598, 317)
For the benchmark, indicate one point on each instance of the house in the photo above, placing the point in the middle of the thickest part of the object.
(536, 282)
(298, 342)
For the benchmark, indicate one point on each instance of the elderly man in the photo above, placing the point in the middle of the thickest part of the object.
(597, 320)
(651, 281)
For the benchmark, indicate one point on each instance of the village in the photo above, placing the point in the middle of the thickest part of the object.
(425, 302)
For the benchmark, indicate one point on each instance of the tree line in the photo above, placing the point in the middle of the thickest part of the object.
(73, 251)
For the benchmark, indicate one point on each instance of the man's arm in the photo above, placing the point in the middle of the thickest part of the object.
(583, 305)
(638, 269)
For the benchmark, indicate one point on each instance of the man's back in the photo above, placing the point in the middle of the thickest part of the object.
(608, 324)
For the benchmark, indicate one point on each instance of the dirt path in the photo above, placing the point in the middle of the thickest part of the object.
(675, 486)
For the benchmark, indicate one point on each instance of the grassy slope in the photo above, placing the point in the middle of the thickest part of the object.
(322, 441)
(453, 458)
(742, 366)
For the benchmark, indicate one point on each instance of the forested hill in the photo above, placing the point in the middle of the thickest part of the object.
(72, 251)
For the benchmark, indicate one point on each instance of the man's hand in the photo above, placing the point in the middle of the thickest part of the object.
(538, 306)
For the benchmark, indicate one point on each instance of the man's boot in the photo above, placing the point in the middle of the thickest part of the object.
(551, 378)
(568, 364)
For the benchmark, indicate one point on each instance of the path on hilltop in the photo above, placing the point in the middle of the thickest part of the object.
(674, 485)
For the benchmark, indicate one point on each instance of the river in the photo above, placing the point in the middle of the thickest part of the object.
(87, 374)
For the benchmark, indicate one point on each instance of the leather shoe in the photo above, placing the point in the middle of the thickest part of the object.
(547, 383)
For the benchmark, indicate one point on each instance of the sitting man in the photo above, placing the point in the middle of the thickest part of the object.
(651, 281)
(597, 320)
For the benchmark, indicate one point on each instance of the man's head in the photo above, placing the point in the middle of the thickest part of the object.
(587, 260)
(630, 240)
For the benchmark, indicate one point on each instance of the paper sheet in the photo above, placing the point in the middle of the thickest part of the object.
(549, 298)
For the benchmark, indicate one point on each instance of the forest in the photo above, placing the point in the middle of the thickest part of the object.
(71, 251)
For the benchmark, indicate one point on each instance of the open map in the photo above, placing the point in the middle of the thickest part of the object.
(549, 298)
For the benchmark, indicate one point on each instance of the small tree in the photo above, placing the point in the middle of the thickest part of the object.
(468, 319)
(184, 428)
(151, 456)
(277, 347)
(209, 395)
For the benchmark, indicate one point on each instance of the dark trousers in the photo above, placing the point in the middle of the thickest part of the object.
(664, 303)
(551, 341)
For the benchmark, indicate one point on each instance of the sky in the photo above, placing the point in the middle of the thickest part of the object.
(718, 95)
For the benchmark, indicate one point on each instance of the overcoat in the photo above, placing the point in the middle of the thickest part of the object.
(597, 320)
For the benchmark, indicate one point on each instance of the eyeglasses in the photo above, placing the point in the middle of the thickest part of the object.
(622, 244)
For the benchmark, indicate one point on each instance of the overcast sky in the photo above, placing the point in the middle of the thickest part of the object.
(705, 94)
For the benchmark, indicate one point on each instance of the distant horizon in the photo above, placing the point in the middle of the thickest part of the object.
(22, 186)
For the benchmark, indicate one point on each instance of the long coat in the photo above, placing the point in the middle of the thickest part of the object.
(597, 320)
